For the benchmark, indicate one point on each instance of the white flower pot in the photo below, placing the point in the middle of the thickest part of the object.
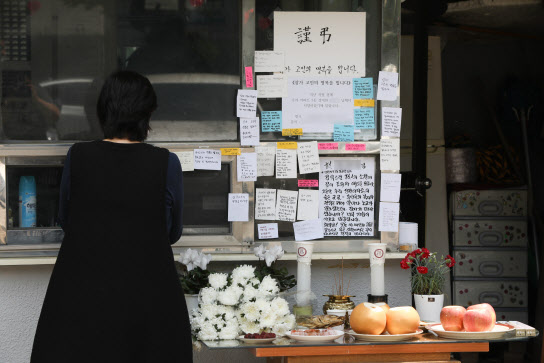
(429, 306)
(192, 302)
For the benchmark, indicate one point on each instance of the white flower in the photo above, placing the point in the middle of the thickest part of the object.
(249, 327)
(260, 251)
(230, 330)
(218, 280)
(230, 296)
(280, 329)
(241, 274)
(289, 320)
(268, 318)
(269, 286)
(204, 260)
(196, 323)
(254, 282)
(251, 311)
(280, 306)
(209, 311)
(208, 295)
(207, 332)
(273, 254)
(227, 312)
(250, 293)
(188, 258)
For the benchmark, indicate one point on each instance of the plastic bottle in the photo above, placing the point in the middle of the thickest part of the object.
(27, 201)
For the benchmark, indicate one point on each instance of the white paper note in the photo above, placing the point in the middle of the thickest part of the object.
(390, 154)
(286, 163)
(265, 204)
(187, 160)
(273, 86)
(246, 103)
(308, 204)
(387, 86)
(206, 159)
(249, 131)
(247, 167)
(389, 217)
(266, 157)
(308, 230)
(391, 121)
(286, 205)
(238, 207)
(308, 157)
(390, 187)
(269, 61)
(268, 230)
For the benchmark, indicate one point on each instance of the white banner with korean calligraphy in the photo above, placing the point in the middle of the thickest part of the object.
(321, 43)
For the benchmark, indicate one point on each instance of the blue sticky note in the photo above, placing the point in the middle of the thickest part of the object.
(271, 121)
(364, 118)
(362, 88)
(343, 132)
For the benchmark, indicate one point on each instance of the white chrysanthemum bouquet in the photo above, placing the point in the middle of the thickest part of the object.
(239, 303)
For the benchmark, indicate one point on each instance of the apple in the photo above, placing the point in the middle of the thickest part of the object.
(487, 307)
(478, 320)
(451, 317)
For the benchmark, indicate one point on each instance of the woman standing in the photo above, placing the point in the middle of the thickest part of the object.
(114, 295)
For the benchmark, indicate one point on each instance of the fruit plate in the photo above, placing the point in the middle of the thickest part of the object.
(256, 341)
(498, 332)
(385, 337)
(316, 338)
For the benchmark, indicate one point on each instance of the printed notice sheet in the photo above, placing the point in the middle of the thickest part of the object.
(389, 217)
(247, 167)
(267, 230)
(390, 187)
(315, 104)
(273, 86)
(286, 163)
(308, 157)
(308, 204)
(246, 102)
(238, 207)
(390, 154)
(286, 205)
(187, 160)
(346, 187)
(266, 157)
(249, 131)
(265, 204)
(308, 230)
(269, 61)
(391, 119)
(206, 159)
(321, 43)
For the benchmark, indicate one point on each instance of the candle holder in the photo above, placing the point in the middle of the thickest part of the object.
(373, 299)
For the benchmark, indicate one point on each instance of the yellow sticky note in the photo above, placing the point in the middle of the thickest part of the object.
(231, 151)
(363, 103)
(287, 145)
(291, 132)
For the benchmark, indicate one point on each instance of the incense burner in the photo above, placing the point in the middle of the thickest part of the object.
(338, 302)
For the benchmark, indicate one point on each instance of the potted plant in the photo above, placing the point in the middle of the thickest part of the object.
(195, 276)
(267, 267)
(428, 278)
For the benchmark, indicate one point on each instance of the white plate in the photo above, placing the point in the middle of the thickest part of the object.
(316, 338)
(498, 332)
(385, 337)
(256, 341)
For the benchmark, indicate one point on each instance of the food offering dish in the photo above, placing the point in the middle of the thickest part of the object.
(258, 338)
(385, 337)
(315, 335)
(499, 331)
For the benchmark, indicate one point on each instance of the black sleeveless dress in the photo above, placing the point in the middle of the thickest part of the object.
(114, 295)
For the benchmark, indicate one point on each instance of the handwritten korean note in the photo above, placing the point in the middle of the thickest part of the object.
(269, 61)
(308, 157)
(390, 154)
(267, 230)
(271, 121)
(308, 230)
(389, 217)
(387, 86)
(390, 187)
(249, 131)
(249, 77)
(247, 167)
(286, 163)
(286, 205)
(364, 118)
(272, 86)
(343, 132)
(265, 204)
(327, 146)
(308, 204)
(246, 103)
(308, 183)
(206, 159)
(187, 160)
(391, 121)
(362, 88)
(266, 157)
(346, 186)
(238, 207)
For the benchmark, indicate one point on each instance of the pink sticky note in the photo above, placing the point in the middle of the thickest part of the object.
(357, 147)
(249, 77)
(308, 183)
(327, 146)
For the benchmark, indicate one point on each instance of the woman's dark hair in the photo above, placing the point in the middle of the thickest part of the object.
(124, 106)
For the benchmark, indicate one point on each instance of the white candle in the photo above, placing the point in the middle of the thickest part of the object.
(377, 261)
(304, 272)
